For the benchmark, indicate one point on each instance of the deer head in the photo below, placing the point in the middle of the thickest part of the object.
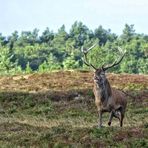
(99, 73)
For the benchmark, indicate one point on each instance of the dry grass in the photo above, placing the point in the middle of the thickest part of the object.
(58, 110)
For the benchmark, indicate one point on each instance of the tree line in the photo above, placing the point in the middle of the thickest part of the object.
(29, 52)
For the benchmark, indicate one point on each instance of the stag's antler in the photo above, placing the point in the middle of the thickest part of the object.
(85, 60)
(116, 62)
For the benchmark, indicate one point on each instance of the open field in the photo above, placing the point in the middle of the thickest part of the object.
(57, 110)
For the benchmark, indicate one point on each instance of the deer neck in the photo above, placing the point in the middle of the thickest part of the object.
(104, 90)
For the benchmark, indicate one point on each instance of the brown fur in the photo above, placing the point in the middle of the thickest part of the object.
(108, 99)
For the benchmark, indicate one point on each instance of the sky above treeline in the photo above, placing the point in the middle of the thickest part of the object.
(25, 15)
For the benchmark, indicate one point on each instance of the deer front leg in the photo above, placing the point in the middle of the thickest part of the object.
(100, 118)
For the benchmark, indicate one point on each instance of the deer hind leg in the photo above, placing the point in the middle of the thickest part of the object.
(110, 118)
(121, 111)
(121, 121)
(113, 114)
(122, 117)
(117, 115)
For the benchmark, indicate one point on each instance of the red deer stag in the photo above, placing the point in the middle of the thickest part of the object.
(107, 99)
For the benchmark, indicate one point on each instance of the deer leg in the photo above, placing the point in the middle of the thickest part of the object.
(121, 121)
(121, 111)
(100, 119)
(110, 118)
(116, 115)
(122, 116)
(113, 114)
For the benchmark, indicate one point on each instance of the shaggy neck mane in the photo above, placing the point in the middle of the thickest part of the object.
(105, 90)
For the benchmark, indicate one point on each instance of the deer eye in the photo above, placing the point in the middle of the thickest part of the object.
(97, 78)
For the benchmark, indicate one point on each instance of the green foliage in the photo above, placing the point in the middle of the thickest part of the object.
(141, 143)
(50, 64)
(61, 50)
(128, 33)
(28, 69)
(5, 60)
(71, 63)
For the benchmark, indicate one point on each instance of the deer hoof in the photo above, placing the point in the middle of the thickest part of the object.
(109, 123)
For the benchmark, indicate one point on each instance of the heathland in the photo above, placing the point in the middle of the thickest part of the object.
(57, 109)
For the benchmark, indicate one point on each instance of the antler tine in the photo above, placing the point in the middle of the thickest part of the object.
(116, 62)
(85, 60)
